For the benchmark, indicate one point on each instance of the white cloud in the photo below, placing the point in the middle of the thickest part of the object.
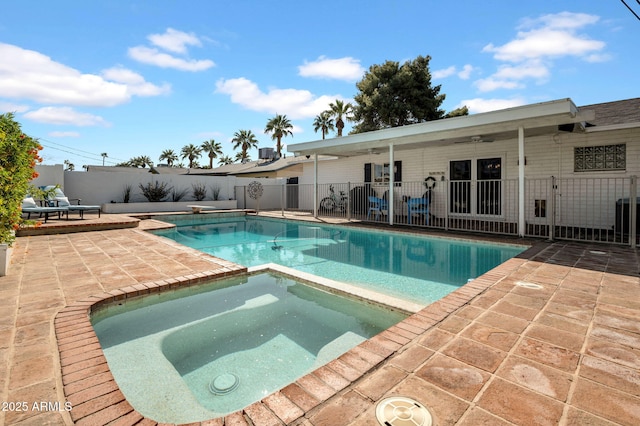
(535, 48)
(549, 36)
(136, 84)
(479, 105)
(151, 56)
(490, 84)
(27, 74)
(174, 40)
(65, 116)
(292, 102)
(465, 74)
(11, 107)
(348, 68)
(443, 73)
(63, 134)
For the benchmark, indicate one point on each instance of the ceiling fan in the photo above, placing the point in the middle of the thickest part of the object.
(476, 139)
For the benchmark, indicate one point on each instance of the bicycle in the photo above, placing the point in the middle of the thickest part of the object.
(332, 202)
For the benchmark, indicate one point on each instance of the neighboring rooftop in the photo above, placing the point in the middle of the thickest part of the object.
(616, 112)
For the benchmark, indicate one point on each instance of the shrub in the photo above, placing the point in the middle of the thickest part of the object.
(199, 191)
(215, 192)
(156, 191)
(126, 193)
(178, 195)
(18, 158)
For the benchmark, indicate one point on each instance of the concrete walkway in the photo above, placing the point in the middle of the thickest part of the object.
(551, 337)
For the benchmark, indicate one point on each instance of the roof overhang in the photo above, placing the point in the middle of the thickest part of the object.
(536, 119)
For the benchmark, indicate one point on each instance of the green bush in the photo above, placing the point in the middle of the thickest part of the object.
(18, 159)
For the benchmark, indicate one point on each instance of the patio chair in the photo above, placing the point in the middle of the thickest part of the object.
(378, 206)
(29, 206)
(418, 206)
(61, 200)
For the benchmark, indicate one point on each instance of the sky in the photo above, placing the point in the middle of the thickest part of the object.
(135, 78)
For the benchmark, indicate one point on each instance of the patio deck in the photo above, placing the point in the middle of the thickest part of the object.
(550, 337)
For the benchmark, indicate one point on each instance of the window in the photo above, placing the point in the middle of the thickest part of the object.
(600, 158)
(379, 173)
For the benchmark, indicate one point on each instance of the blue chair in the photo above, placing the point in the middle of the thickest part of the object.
(418, 206)
(377, 205)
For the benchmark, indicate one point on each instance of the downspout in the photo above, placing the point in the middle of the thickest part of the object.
(521, 187)
(315, 185)
(391, 183)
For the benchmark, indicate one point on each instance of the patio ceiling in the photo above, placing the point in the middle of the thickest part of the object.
(536, 119)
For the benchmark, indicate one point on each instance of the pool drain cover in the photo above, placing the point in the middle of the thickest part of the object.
(400, 411)
(224, 383)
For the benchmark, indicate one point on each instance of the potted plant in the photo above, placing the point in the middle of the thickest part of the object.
(18, 158)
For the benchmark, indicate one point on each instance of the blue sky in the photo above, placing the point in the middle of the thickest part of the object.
(134, 78)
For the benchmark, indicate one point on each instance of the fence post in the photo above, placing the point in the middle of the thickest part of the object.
(633, 211)
(282, 197)
(552, 205)
(349, 201)
(447, 204)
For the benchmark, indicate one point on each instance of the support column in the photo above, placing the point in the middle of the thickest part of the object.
(521, 186)
(315, 185)
(391, 184)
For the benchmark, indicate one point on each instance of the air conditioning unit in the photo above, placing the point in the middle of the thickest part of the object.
(265, 154)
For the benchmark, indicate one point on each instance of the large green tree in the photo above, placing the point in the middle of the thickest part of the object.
(340, 110)
(192, 152)
(392, 95)
(213, 150)
(323, 122)
(244, 140)
(279, 127)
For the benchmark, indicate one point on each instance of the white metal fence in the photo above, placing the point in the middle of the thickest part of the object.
(581, 209)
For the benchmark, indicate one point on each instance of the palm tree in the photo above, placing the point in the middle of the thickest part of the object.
(224, 160)
(240, 158)
(169, 156)
(191, 152)
(245, 140)
(213, 150)
(104, 155)
(323, 122)
(338, 110)
(145, 160)
(279, 127)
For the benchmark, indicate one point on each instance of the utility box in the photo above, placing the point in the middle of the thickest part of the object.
(622, 216)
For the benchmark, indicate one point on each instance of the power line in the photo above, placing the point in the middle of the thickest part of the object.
(75, 151)
(631, 10)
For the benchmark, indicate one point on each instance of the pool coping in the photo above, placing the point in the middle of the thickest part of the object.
(96, 398)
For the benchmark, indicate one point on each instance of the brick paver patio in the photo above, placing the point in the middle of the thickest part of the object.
(550, 337)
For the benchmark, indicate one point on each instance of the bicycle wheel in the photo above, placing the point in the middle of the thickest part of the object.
(327, 204)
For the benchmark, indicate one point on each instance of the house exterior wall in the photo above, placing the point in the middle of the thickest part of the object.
(546, 156)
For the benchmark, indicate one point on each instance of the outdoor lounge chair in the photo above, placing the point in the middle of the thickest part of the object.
(418, 206)
(61, 200)
(378, 206)
(29, 206)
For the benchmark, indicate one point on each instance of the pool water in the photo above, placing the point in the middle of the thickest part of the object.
(415, 268)
(197, 353)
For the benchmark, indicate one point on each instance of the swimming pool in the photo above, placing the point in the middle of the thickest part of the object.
(415, 268)
(201, 352)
